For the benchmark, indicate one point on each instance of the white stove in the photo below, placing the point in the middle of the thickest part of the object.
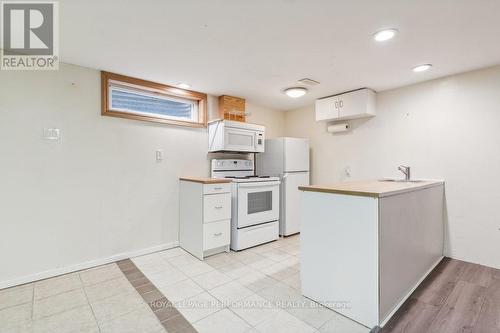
(254, 203)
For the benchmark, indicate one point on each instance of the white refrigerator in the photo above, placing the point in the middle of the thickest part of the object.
(287, 158)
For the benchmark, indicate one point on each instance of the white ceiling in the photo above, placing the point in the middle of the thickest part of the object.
(254, 49)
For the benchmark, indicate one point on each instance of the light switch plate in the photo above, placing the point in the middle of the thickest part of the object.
(159, 155)
(51, 133)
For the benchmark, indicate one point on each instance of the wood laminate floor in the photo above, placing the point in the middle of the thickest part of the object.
(456, 297)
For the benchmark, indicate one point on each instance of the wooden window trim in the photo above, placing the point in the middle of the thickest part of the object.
(201, 98)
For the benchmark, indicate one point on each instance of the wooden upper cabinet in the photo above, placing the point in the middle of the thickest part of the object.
(232, 108)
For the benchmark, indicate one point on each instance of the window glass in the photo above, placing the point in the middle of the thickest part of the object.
(134, 101)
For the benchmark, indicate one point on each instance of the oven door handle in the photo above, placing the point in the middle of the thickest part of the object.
(259, 184)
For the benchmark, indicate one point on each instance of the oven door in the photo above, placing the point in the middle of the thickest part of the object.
(258, 202)
(236, 139)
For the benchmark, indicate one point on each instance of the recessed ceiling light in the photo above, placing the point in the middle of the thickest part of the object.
(183, 85)
(421, 68)
(296, 92)
(385, 34)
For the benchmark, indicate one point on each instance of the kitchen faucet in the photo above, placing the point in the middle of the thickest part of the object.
(405, 170)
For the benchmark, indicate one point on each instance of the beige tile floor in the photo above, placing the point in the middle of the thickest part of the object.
(94, 300)
(256, 290)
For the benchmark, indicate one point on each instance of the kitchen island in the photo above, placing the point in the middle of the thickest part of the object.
(366, 246)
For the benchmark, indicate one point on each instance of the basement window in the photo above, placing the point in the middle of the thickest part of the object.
(132, 98)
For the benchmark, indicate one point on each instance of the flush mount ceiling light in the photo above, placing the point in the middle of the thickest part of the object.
(384, 35)
(295, 92)
(421, 68)
(183, 85)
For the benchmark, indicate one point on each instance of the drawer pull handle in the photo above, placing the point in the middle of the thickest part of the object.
(217, 188)
(218, 207)
(218, 234)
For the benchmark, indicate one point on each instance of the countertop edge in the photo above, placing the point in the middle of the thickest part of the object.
(406, 190)
(435, 182)
(206, 180)
(335, 191)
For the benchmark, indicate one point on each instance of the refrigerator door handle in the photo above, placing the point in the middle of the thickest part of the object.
(284, 177)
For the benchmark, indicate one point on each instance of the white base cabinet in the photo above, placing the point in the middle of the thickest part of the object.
(205, 218)
(363, 256)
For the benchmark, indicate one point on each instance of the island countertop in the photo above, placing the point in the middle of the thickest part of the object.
(372, 188)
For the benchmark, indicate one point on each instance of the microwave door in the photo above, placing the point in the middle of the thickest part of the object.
(239, 140)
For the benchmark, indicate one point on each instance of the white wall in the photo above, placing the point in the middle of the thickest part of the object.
(446, 128)
(273, 120)
(95, 194)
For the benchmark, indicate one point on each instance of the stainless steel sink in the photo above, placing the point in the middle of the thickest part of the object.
(401, 180)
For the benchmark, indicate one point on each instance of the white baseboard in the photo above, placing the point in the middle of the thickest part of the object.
(85, 265)
(389, 316)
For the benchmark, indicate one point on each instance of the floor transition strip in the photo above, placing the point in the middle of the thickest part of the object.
(171, 319)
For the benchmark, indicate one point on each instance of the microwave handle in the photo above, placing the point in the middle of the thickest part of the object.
(259, 184)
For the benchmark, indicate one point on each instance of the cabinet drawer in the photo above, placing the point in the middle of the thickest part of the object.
(216, 188)
(216, 207)
(216, 234)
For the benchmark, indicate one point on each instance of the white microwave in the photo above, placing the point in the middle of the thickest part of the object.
(235, 136)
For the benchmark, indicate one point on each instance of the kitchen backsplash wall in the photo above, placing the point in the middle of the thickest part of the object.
(445, 129)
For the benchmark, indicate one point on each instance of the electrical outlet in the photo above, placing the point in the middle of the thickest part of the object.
(159, 155)
(51, 133)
